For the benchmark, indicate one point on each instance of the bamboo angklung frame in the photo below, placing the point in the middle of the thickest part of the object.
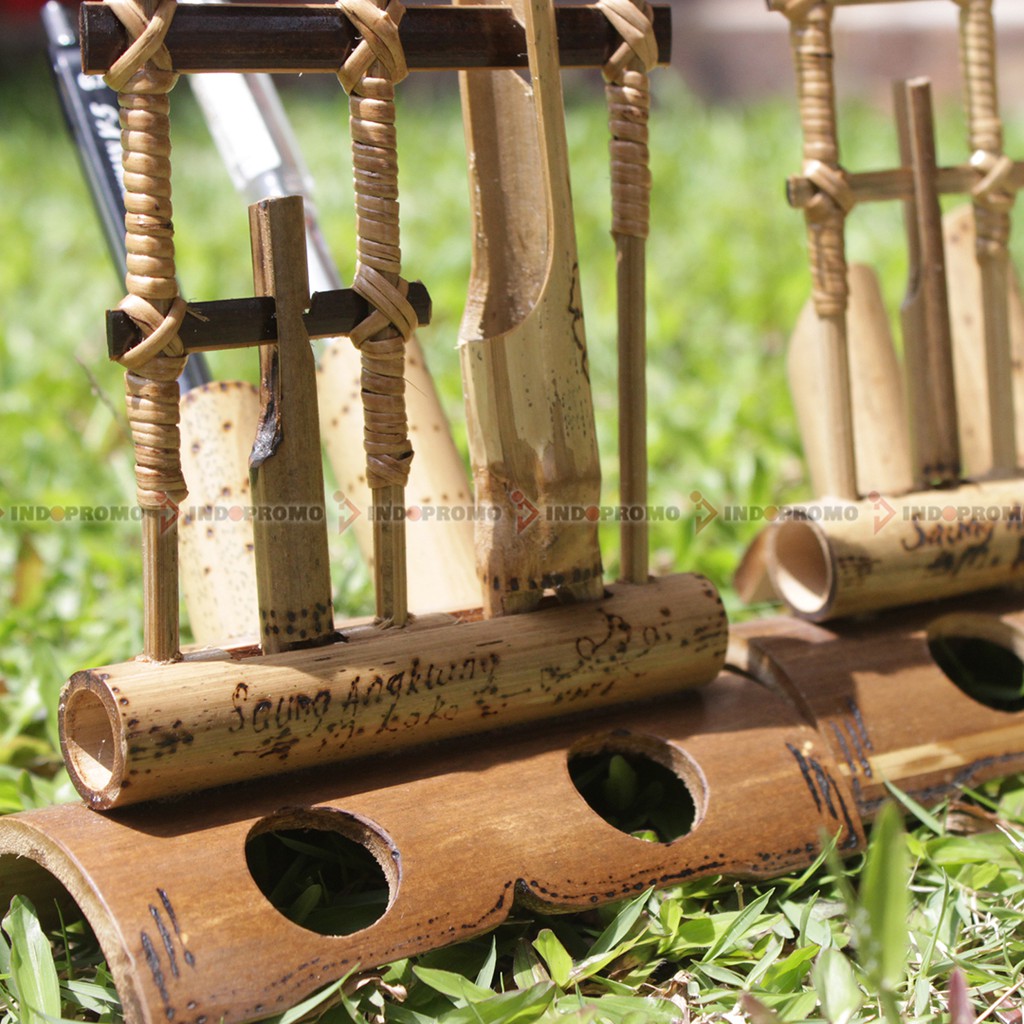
(822, 570)
(102, 737)
(817, 740)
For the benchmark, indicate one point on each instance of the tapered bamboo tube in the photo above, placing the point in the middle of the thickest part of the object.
(968, 327)
(881, 437)
(827, 561)
(532, 439)
(134, 732)
(293, 578)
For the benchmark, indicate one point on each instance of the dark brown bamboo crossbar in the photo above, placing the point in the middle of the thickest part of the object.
(318, 38)
(232, 323)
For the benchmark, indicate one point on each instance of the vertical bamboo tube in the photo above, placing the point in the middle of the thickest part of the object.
(927, 340)
(143, 78)
(218, 569)
(993, 201)
(522, 342)
(811, 38)
(629, 104)
(880, 426)
(369, 76)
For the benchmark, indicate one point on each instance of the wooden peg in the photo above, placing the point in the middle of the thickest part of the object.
(292, 568)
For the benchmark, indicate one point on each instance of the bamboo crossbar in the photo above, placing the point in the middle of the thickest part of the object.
(318, 38)
(239, 323)
(897, 183)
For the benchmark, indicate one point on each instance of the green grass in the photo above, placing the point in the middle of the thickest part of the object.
(727, 278)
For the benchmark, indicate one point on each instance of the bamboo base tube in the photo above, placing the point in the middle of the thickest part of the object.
(133, 732)
(463, 834)
(827, 561)
(883, 704)
(798, 748)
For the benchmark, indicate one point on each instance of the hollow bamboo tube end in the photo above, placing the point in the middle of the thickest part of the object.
(802, 568)
(91, 739)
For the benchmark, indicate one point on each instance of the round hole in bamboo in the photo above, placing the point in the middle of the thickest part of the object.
(90, 739)
(983, 656)
(639, 785)
(326, 871)
(802, 566)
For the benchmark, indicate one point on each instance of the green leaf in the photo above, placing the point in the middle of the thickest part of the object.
(739, 927)
(885, 901)
(33, 971)
(555, 955)
(836, 985)
(519, 1007)
(922, 814)
(453, 985)
(616, 932)
(485, 976)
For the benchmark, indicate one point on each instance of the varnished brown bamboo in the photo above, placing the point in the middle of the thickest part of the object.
(828, 561)
(318, 37)
(772, 764)
(533, 444)
(290, 529)
(133, 732)
(927, 343)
